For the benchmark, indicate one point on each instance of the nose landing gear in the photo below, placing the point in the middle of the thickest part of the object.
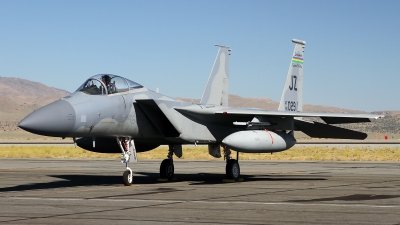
(128, 150)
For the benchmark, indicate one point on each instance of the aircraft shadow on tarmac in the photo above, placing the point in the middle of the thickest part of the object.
(76, 180)
(354, 197)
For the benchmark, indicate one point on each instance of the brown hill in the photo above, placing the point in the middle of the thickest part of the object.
(24, 91)
(18, 98)
(269, 104)
(237, 101)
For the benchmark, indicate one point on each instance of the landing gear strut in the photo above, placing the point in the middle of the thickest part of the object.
(167, 165)
(232, 168)
(128, 150)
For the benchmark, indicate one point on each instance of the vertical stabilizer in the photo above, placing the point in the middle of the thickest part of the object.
(216, 92)
(292, 96)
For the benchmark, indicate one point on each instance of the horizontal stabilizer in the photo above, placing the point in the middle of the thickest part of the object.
(339, 120)
(321, 130)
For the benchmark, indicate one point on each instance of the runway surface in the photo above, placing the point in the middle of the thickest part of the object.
(48, 191)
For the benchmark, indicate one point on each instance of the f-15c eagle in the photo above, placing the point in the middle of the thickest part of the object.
(111, 114)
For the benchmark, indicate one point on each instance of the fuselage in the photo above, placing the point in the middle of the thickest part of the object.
(105, 109)
(119, 115)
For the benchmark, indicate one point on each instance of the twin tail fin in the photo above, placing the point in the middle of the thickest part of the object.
(216, 92)
(292, 96)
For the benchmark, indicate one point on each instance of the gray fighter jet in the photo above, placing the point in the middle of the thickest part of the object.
(111, 114)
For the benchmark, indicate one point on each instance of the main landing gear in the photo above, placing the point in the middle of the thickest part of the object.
(167, 165)
(232, 165)
(167, 169)
(128, 150)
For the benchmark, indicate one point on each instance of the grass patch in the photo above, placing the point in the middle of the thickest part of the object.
(201, 152)
(48, 151)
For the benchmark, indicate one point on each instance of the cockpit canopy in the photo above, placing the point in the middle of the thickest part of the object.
(106, 84)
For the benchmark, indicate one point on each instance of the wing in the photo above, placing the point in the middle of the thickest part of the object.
(281, 120)
(329, 118)
(223, 115)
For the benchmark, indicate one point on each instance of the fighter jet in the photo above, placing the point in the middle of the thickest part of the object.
(112, 114)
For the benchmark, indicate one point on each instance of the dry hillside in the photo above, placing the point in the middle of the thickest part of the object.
(18, 98)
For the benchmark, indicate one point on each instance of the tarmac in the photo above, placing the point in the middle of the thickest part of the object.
(54, 191)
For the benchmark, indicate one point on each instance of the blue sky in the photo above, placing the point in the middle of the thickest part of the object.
(351, 57)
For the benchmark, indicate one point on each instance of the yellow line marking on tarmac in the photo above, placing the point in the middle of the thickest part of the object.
(42, 169)
(232, 180)
(166, 179)
(259, 172)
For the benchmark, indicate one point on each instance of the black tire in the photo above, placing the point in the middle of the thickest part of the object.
(232, 169)
(227, 169)
(127, 178)
(167, 169)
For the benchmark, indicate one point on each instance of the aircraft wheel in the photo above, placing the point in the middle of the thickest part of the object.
(167, 169)
(127, 178)
(232, 169)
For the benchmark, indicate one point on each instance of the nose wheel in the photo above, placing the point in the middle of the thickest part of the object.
(127, 177)
(128, 150)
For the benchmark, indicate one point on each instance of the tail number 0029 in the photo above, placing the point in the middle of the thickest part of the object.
(291, 106)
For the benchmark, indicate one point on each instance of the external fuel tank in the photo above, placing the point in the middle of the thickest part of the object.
(260, 141)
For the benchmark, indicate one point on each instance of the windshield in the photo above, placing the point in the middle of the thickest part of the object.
(93, 87)
(104, 84)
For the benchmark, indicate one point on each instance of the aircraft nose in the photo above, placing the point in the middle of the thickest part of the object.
(56, 119)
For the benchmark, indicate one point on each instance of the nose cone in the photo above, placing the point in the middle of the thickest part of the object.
(56, 119)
